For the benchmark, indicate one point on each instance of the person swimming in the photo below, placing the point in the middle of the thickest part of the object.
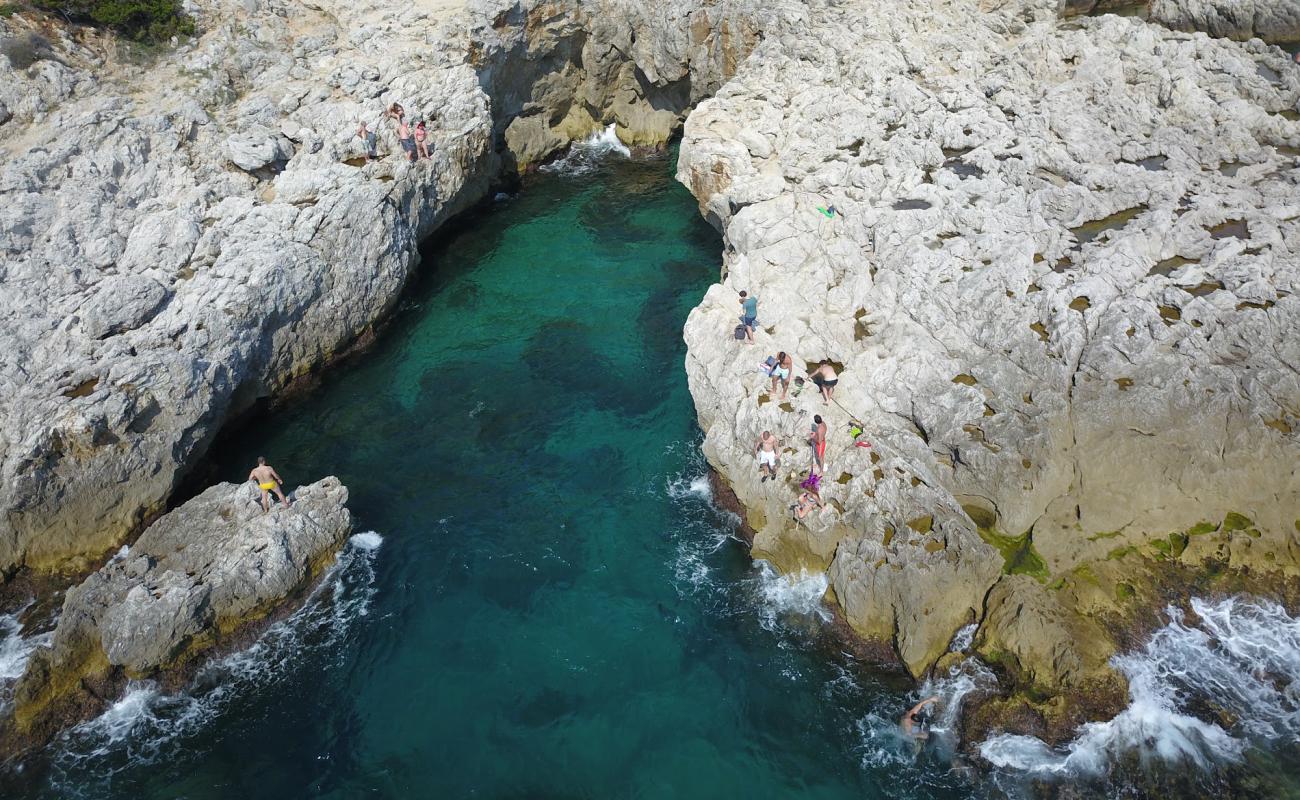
(268, 481)
(916, 723)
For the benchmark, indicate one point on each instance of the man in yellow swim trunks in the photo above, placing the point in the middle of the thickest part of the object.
(268, 481)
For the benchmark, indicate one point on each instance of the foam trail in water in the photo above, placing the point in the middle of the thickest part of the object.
(1241, 656)
(584, 156)
(147, 726)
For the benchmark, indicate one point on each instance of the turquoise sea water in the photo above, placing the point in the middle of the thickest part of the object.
(556, 608)
(541, 600)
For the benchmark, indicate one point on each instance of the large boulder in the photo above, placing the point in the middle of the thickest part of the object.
(200, 573)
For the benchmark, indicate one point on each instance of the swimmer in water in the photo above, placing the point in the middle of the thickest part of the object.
(916, 723)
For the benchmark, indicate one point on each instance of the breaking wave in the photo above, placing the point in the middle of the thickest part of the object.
(149, 726)
(1238, 657)
(15, 649)
(585, 156)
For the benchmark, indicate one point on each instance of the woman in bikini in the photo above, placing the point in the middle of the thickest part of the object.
(825, 378)
(420, 135)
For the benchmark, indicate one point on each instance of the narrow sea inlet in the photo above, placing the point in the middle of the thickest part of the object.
(555, 608)
(542, 601)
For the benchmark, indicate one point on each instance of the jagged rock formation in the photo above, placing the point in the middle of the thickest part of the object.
(181, 239)
(1271, 20)
(1061, 290)
(197, 575)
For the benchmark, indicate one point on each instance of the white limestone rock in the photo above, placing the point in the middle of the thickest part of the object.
(1062, 291)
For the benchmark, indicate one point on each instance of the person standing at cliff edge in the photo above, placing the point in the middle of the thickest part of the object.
(268, 481)
(404, 137)
(748, 315)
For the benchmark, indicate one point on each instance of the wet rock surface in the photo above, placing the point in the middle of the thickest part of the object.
(192, 579)
(1075, 362)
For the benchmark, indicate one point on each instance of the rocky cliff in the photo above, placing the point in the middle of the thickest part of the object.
(186, 232)
(197, 576)
(1059, 289)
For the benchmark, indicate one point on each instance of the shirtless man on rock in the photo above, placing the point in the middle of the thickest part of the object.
(268, 481)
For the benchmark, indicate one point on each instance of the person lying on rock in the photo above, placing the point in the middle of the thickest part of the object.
(817, 438)
(916, 723)
(781, 372)
(825, 378)
(268, 481)
(748, 315)
(766, 449)
(808, 500)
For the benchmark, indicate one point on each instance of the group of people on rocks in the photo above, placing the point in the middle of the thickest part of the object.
(414, 139)
(780, 369)
(915, 724)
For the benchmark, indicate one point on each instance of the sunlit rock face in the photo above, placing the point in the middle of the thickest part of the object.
(1058, 286)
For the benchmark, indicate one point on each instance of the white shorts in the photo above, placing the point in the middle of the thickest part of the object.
(767, 457)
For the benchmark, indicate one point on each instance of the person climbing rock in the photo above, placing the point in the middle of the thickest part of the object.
(404, 136)
(370, 138)
(766, 447)
(748, 315)
(817, 438)
(826, 378)
(268, 481)
(916, 723)
(421, 134)
(781, 372)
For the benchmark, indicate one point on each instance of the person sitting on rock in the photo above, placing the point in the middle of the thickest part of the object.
(421, 134)
(748, 315)
(916, 723)
(808, 500)
(826, 379)
(370, 138)
(268, 481)
(766, 449)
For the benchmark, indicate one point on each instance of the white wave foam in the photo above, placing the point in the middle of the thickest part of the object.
(963, 638)
(1240, 656)
(146, 726)
(584, 156)
(881, 739)
(782, 597)
(15, 650)
(366, 540)
(686, 487)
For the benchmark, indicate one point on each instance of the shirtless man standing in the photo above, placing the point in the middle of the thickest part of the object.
(766, 449)
(268, 481)
(817, 438)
